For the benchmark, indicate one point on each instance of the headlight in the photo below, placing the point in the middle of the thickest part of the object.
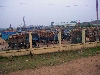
(15, 44)
(21, 43)
(24, 43)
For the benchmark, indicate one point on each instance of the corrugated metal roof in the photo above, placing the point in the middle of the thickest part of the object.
(9, 31)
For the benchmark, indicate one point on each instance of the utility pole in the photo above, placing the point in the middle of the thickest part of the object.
(97, 11)
(97, 18)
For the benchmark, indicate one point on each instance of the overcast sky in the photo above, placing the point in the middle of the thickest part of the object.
(43, 12)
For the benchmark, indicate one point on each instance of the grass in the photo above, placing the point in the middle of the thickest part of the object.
(36, 61)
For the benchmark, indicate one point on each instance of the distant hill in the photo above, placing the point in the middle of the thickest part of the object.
(2, 28)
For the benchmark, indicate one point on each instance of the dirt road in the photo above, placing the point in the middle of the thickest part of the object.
(84, 66)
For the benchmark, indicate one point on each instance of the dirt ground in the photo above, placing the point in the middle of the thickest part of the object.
(84, 66)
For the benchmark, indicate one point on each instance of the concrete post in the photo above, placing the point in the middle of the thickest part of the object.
(30, 40)
(59, 38)
(83, 36)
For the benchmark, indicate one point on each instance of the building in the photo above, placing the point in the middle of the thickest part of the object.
(70, 24)
(6, 33)
(95, 22)
(90, 23)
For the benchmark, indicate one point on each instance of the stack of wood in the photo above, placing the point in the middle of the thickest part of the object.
(91, 34)
(3, 44)
(99, 33)
(76, 36)
(17, 38)
(2, 41)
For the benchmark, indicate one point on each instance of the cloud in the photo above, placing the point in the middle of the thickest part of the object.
(1, 6)
(22, 3)
(75, 5)
(50, 4)
(68, 6)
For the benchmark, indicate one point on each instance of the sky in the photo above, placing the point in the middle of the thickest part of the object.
(43, 12)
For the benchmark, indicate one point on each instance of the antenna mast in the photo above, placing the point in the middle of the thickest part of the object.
(24, 22)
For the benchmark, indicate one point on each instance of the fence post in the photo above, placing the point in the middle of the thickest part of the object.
(59, 38)
(30, 39)
(83, 37)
